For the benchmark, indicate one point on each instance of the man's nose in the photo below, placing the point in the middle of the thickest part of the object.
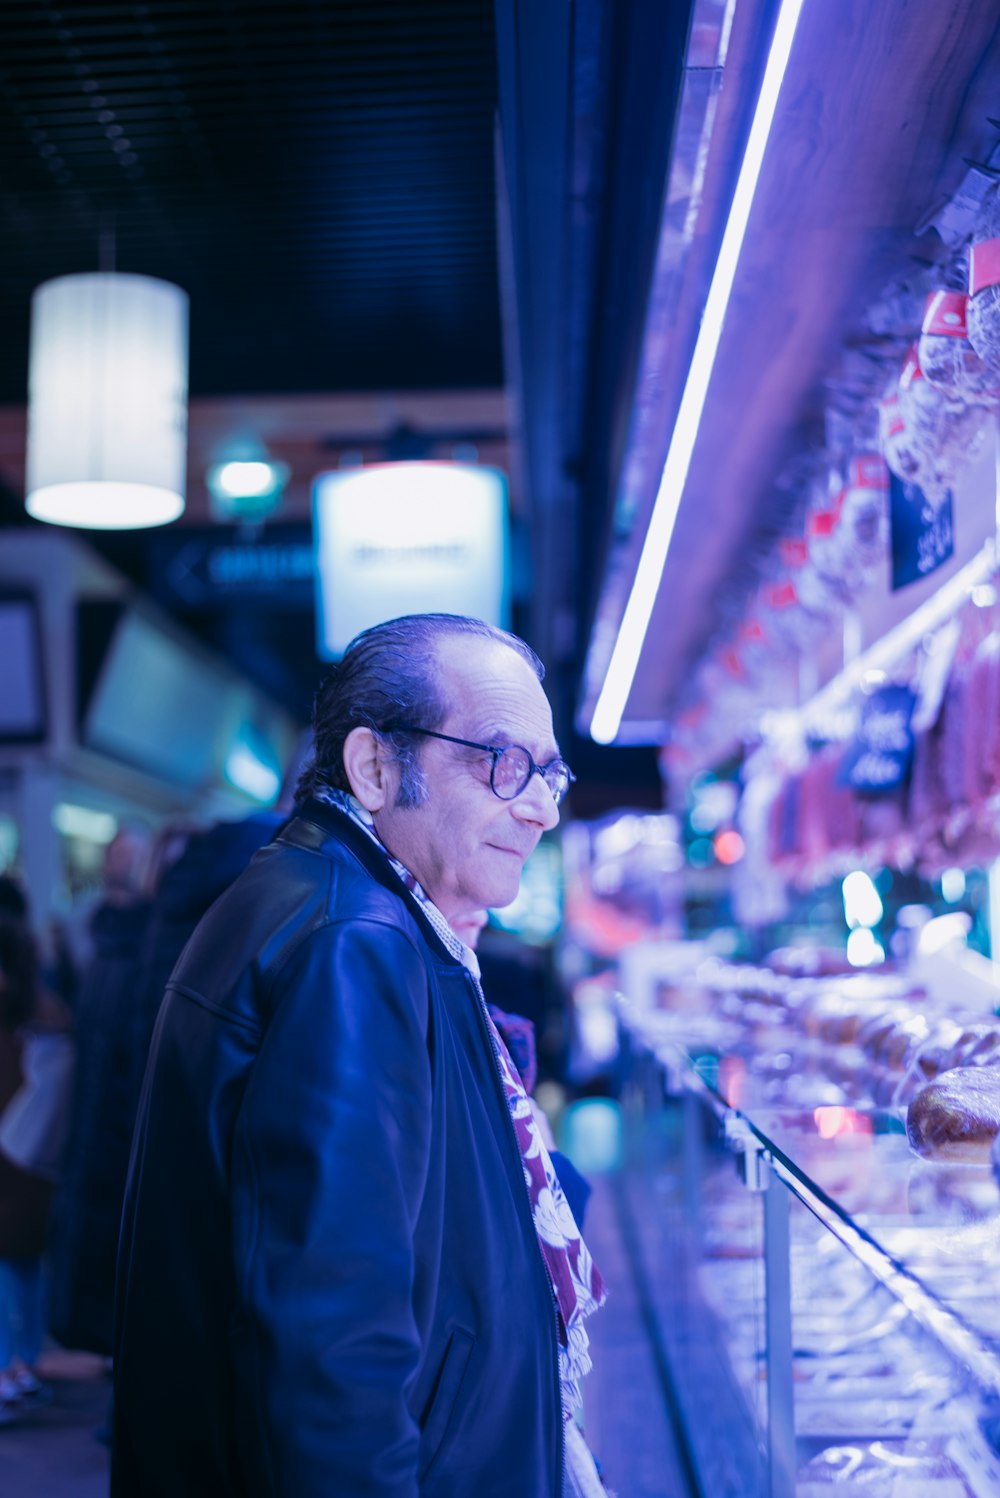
(537, 804)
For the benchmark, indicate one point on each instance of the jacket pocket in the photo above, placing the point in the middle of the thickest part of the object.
(443, 1402)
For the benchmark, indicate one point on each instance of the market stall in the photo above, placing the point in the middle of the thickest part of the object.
(800, 605)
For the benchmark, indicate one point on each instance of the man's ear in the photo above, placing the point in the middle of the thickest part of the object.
(368, 770)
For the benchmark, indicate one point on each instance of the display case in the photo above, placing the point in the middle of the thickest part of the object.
(826, 1301)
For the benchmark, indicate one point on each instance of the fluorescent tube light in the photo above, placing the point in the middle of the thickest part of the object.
(635, 620)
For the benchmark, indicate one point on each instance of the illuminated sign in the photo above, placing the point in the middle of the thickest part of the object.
(407, 538)
(213, 567)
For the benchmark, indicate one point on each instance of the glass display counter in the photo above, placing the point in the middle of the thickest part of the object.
(827, 1301)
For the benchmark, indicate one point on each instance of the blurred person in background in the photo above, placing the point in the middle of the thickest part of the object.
(87, 1210)
(57, 968)
(36, 1078)
(347, 1266)
(13, 900)
(194, 866)
(154, 896)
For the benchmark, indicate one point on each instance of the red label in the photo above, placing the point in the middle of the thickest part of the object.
(822, 522)
(944, 314)
(751, 632)
(984, 265)
(911, 370)
(892, 417)
(793, 551)
(868, 471)
(780, 595)
(732, 663)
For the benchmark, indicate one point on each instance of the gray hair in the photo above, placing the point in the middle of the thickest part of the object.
(388, 676)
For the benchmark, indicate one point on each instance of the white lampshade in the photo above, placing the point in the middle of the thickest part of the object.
(107, 402)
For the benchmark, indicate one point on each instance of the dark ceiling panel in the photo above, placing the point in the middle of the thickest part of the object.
(318, 176)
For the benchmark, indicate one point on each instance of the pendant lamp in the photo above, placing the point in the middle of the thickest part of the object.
(107, 401)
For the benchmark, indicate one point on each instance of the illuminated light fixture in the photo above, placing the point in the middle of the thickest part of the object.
(863, 950)
(942, 931)
(107, 402)
(832, 1119)
(862, 901)
(638, 611)
(246, 479)
(83, 822)
(729, 846)
(701, 853)
(248, 773)
(592, 1127)
(246, 489)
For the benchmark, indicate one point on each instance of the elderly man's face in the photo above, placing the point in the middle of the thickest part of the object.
(465, 845)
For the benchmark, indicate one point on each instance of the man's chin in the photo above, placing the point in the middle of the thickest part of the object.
(502, 892)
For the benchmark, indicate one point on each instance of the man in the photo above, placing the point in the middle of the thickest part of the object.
(87, 1207)
(346, 1270)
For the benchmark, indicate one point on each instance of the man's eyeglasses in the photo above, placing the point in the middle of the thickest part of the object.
(512, 767)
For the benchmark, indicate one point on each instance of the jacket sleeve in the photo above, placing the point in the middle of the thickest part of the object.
(330, 1161)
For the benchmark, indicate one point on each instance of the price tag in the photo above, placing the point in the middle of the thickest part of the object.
(923, 534)
(879, 757)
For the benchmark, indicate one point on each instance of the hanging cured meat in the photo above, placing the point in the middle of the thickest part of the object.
(863, 527)
(983, 314)
(848, 535)
(796, 613)
(947, 358)
(934, 437)
(899, 444)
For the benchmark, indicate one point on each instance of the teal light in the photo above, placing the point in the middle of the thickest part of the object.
(701, 854)
(246, 490)
(250, 767)
(590, 1133)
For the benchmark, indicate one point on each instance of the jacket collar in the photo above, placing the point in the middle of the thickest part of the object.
(338, 827)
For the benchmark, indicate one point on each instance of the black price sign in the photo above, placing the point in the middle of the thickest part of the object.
(879, 757)
(923, 534)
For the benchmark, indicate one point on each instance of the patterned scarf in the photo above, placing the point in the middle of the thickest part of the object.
(576, 1281)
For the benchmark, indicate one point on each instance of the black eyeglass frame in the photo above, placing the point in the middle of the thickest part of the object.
(498, 751)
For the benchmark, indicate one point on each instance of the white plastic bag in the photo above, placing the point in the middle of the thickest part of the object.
(34, 1126)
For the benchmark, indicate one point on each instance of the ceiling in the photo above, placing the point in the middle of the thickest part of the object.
(322, 178)
(318, 177)
(410, 228)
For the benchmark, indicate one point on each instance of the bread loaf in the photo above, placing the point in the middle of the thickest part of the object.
(929, 1059)
(884, 1469)
(957, 1116)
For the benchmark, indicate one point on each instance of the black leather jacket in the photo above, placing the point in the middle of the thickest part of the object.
(329, 1284)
